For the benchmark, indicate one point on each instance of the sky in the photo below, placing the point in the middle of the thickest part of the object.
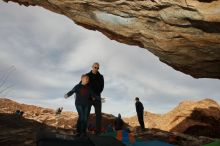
(44, 55)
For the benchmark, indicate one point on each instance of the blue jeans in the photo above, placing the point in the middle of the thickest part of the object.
(82, 119)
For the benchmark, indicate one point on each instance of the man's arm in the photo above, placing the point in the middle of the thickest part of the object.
(92, 95)
(142, 107)
(102, 84)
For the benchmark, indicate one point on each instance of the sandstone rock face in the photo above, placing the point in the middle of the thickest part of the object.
(45, 116)
(201, 118)
(187, 117)
(196, 118)
(184, 34)
(22, 132)
(66, 120)
(204, 114)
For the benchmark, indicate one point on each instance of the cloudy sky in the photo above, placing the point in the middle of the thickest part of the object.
(45, 53)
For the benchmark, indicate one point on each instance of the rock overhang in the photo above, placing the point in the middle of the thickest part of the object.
(183, 34)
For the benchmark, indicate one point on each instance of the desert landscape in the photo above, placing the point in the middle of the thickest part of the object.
(165, 52)
(190, 123)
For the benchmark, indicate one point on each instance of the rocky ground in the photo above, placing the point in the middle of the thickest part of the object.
(22, 131)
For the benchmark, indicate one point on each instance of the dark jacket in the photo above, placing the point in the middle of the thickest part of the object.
(139, 107)
(119, 123)
(96, 83)
(83, 94)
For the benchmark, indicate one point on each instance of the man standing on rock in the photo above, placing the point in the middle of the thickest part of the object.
(140, 113)
(97, 85)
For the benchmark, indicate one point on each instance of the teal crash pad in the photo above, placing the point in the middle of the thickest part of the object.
(152, 143)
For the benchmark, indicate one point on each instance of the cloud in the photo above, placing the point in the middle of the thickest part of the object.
(50, 53)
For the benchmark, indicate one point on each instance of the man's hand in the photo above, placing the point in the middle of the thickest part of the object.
(65, 96)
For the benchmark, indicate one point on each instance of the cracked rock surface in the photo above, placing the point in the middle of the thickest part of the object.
(184, 34)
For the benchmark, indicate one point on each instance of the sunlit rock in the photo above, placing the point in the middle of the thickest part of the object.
(184, 34)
